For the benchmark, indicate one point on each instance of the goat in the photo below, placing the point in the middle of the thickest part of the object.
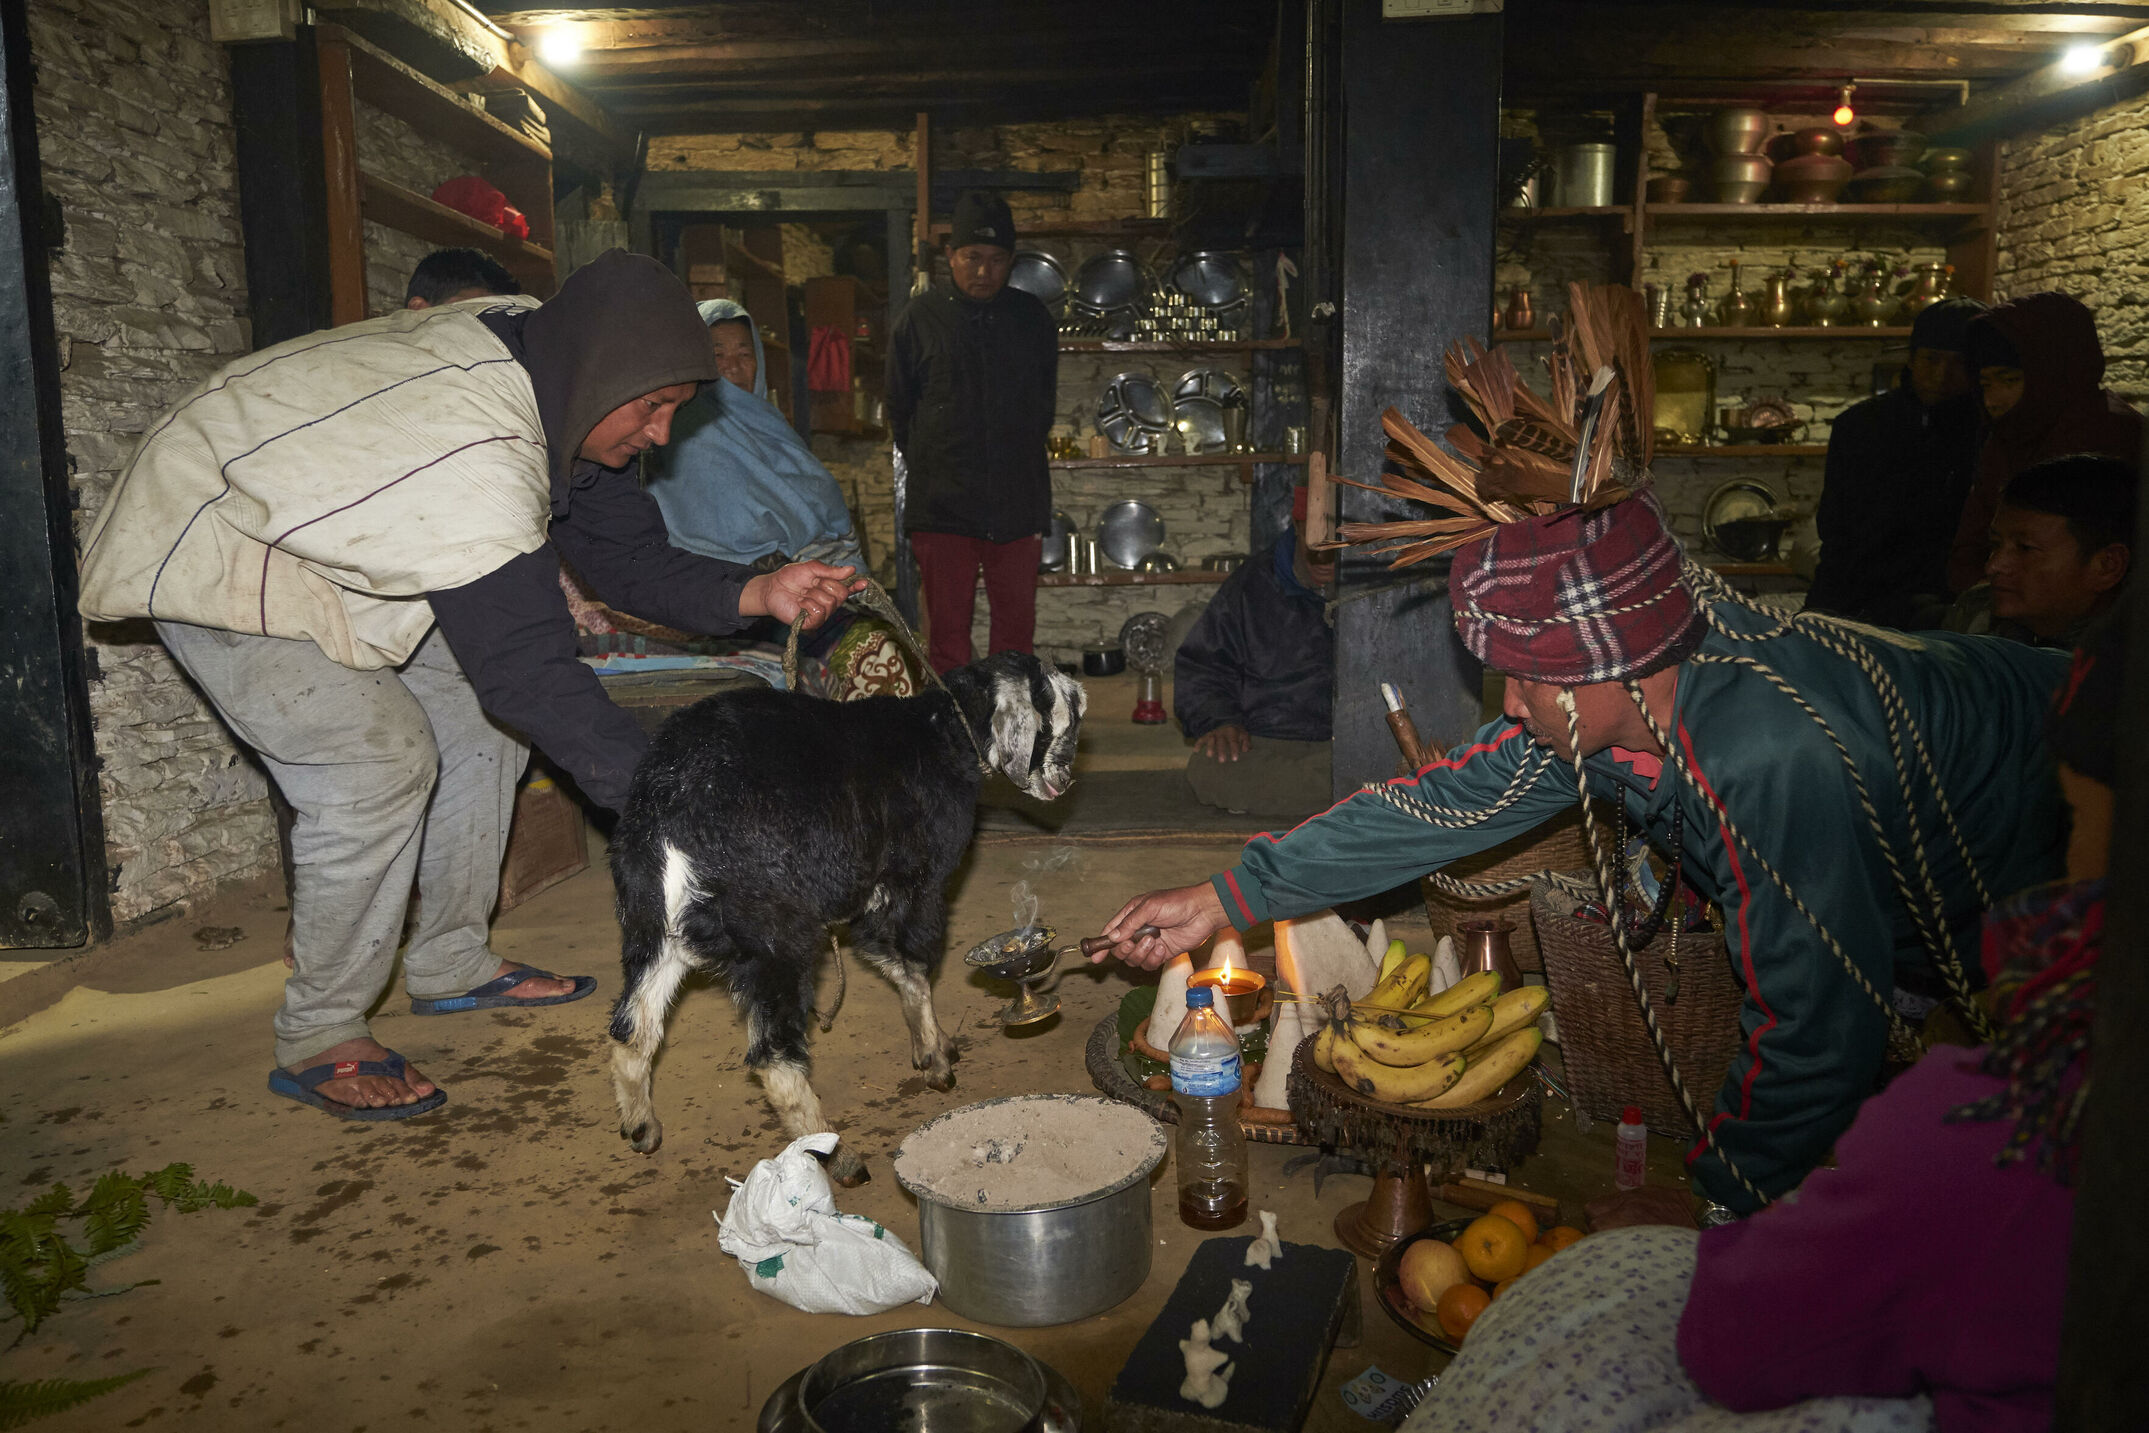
(761, 818)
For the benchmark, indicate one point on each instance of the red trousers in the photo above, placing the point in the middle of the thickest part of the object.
(947, 572)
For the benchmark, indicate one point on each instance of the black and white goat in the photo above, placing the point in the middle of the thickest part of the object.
(759, 819)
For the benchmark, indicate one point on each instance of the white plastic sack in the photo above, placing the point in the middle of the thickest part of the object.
(783, 1227)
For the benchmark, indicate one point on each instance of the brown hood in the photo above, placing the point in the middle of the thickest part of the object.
(621, 326)
(2055, 341)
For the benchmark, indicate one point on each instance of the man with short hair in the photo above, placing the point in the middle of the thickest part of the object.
(448, 276)
(1899, 467)
(2062, 545)
(972, 374)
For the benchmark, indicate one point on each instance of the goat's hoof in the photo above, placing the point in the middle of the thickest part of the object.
(644, 1138)
(941, 1078)
(845, 1170)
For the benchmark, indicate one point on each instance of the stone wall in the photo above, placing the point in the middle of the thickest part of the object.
(1204, 509)
(134, 129)
(2074, 208)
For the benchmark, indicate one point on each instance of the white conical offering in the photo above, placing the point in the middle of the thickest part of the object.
(1317, 953)
(1170, 1009)
(1272, 1089)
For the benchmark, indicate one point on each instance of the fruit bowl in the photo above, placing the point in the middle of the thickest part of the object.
(1387, 1281)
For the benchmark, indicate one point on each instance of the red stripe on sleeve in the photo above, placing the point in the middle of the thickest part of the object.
(1746, 959)
(1239, 896)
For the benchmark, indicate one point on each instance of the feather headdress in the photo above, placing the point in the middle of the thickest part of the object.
(1587, 446)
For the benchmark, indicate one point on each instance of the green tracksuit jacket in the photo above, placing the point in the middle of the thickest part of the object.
(1812, 1039)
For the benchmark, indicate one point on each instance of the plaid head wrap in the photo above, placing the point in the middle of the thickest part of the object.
(1577, 597)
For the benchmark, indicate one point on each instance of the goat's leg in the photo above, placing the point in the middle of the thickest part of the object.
(908, 966)
(776, 991)
(654, 956)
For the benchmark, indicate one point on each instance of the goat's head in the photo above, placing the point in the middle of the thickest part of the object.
(1033, 715)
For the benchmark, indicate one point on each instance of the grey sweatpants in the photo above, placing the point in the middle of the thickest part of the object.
(393, 774)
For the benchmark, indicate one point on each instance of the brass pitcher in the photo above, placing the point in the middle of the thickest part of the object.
(1735, 310)
(1485, 948)
(1776, 309)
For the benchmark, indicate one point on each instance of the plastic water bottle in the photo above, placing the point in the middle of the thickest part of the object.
(1631, 1147)
(1209, 1147)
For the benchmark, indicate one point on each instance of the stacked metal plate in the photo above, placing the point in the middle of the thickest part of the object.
(1134, 412)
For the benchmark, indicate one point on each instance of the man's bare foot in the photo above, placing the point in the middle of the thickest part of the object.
(366, 1092)
(536, 987)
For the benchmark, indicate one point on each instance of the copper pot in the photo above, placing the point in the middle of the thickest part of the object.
(1812, 178)
(1817, 139)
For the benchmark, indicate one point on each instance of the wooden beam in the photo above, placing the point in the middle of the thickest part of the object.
(922, 211)
(2052, 95)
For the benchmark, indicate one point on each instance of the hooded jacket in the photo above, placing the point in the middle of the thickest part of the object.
(353, 486)
(971, 388)
(1262, 656)
(2063, 409)
(1811, 1039)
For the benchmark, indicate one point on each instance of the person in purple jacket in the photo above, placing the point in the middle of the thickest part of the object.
(1918, 1283)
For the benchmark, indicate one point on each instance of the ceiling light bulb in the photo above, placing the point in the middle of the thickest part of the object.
(1844, 113)
(2081, 60)
(559, 47)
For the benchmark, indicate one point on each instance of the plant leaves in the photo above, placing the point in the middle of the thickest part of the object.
(22, 1403)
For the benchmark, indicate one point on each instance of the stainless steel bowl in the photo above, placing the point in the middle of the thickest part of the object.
(924, 1378)
(1040, 275)
(1128, 532)
(1209, 279)
(1737, 131)
(1058, 553)
(1062, 1414)
(1110, 281)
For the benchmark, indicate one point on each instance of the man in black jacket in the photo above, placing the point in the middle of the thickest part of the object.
(971, 374)
(1899, 467)
(1255, 681)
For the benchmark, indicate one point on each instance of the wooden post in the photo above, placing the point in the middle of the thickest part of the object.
(276, 119)
(1416, 269)
(1320, 501)
(339, 162)
(924, 213)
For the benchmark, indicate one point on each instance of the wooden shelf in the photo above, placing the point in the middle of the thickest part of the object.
(1080, 229)
(735, 254)
(434, 110)
(1743, 450)
(1121, 345)
(1841, 331)
(1817, 211)
(1593, 211)
(412, 213)
(1178, 460)
(1129, 579)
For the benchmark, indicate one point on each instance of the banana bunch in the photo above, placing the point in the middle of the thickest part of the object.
(1407, 1045)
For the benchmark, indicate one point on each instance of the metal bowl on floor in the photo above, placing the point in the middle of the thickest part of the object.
(1128, 532)
(1040, 275)
(924, 1378)
(1062, 1413)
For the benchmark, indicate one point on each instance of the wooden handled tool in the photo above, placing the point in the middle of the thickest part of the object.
(1413, 746)
(1098, 944)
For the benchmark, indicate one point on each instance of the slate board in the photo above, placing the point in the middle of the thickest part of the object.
(1300, 1304)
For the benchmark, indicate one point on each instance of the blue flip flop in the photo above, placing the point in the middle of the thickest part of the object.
(305, 1088)
(492, 995)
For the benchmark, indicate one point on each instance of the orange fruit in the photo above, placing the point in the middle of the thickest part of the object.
(1559, 1236)
(1494, 1248)
(1536, 1254)
(1429, 1269)
(1459, 1308)
(1515, 1212)
(1502, 1287)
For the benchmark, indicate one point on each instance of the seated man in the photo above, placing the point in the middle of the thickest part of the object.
(1254, 682)
(2062, 543)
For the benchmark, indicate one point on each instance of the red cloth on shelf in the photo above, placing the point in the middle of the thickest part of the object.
(828, 360)
(468, 194)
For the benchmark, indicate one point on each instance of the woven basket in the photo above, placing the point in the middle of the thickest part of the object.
(1610, 1061)
(1554, 846)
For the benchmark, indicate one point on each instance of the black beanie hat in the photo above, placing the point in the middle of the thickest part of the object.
(981, 217)
(1945, 325)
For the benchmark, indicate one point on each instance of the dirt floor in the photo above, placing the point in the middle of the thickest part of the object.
(509, 1263)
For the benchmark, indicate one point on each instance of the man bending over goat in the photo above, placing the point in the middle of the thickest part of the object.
(759, 819)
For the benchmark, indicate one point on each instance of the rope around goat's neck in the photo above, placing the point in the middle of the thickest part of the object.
(876, 601)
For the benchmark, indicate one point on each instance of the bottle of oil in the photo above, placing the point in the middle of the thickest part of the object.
(1209, 1148)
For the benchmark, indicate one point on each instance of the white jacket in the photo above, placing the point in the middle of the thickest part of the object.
(320, 488)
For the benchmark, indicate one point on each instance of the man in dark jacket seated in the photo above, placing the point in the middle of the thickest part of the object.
(1255, 679)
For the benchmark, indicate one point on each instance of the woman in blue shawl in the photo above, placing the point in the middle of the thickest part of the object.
(736, 481)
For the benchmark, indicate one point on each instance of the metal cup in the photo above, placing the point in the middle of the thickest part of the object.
(1485, 948)
(1294, 441)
